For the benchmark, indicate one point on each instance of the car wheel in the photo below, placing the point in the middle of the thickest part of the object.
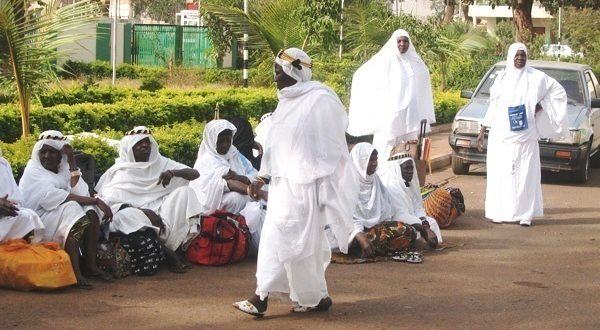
(459, 166)
(581, 175)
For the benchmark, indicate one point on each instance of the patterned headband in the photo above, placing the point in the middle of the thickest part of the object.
(51, 137)
(296, 62)
(399, 156)
(139, 131)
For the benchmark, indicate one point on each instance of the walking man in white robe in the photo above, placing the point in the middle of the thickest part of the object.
(15, 220)
(514, 189)
(312, 184)
(390, 95)
(148, 190)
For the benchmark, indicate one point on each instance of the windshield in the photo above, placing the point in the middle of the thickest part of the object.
(569, 80)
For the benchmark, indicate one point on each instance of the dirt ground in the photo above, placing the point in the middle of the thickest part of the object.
(497, 276)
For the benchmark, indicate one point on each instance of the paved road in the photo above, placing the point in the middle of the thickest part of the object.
(498, 276)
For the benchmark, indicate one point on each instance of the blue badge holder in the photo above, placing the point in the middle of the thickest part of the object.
(517, 117)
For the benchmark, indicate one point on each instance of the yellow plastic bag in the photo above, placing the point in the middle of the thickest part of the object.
(27, 266)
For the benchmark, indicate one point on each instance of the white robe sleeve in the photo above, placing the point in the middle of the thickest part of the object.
(551, 121)
(52, 198)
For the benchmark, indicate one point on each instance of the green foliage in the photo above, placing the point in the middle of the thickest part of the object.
(18, 153)
(158, 10)
(180, 141)
(446, 105)
(581, 30)
(151, 84)
(321, 25)
(103, 154)
(103, 69)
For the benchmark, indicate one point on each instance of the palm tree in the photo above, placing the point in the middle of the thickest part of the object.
(29, 38)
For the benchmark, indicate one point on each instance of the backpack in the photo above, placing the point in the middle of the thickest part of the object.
(224, 238)
(145, 252)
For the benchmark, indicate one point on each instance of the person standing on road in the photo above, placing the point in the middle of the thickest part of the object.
(312, 184)
(391, 94)
(524, 104)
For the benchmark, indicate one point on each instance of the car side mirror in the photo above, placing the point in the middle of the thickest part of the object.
(465, 94)
(595, 103)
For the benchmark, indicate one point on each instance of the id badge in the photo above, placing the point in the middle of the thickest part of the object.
(517, 117)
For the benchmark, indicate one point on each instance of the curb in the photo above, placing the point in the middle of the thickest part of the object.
(440, 161)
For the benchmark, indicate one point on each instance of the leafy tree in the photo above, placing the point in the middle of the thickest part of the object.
(581, 30)
(29, 37)
(158, 10)
(321, 23)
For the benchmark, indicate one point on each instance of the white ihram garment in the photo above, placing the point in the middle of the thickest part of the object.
(514, 190)
(135, 183)
(390, 95)
(13, 227)
(312, 184)
(406, 201)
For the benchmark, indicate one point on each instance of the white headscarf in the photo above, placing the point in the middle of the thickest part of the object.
(526, 86)
(37, 183)
(391, 93)
(8, 186)
(402, 193)
(373, 201)
(135, 183)
(296, 64)
(212, 166)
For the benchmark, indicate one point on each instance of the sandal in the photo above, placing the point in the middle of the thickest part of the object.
(401, 256)
(247, 307)
(322, 306)
(414, 258)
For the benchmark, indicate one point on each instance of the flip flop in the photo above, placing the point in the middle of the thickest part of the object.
(400, 256)
(247, 307)
(414, 258)
(323, 306)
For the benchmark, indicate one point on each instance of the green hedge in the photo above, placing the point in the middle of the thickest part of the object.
(178, 141)
(142, 108)
(446, 105)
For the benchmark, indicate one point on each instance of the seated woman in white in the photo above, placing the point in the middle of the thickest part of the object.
(374, 212)
(52, 186)
(398, 177)
(15, 221)
(225, 175)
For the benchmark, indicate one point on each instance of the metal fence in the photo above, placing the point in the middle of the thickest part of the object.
(161, 45)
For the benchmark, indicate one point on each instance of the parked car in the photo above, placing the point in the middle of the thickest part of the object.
(557, 50)
(574, 155)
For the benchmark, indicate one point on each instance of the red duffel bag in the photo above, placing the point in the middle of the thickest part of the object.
(224, 238)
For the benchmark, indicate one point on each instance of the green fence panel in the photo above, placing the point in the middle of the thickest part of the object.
(160, 45)
(103, 41)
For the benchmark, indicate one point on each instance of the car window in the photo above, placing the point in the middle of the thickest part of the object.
(569, 79)
(591, 88)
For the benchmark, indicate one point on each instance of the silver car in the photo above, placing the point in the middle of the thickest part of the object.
(574, 154)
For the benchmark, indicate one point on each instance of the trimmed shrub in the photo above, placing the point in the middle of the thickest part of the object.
(446, 105)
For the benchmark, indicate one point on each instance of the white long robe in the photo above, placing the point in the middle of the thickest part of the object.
(312, 184)
(391, 93)
(406, 201)
(514, 190)
(13, 227)
(135, 183)
(45, 192)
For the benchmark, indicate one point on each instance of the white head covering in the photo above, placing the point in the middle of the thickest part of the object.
(510, 57)
(128, 181)
(37, 181)
(402, 193)
(391, 93)
(8, 186)
(373, 201)
(212, 166)
(295, 63)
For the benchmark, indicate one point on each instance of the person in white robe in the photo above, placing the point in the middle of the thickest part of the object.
(15, 220)
(374, 211)
(225, 175)
(398, 175)
(149, 191)
(312, 184)
(52, 186)
(514, 190)
(390, 95)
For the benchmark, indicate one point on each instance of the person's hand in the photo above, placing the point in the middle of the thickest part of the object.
(105, 209)
(254, 189)
(165, 178)
(365, 244)
(480, 139)
(231, 175)
(155, 219)
(538, 108)
(7, 207)
(67, 150)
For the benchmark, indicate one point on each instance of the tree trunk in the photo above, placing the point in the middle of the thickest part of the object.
(449, 10)
(24, 107)
(464, 10)
(522, 19)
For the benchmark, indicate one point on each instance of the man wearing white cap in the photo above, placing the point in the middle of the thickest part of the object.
(312, 184)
